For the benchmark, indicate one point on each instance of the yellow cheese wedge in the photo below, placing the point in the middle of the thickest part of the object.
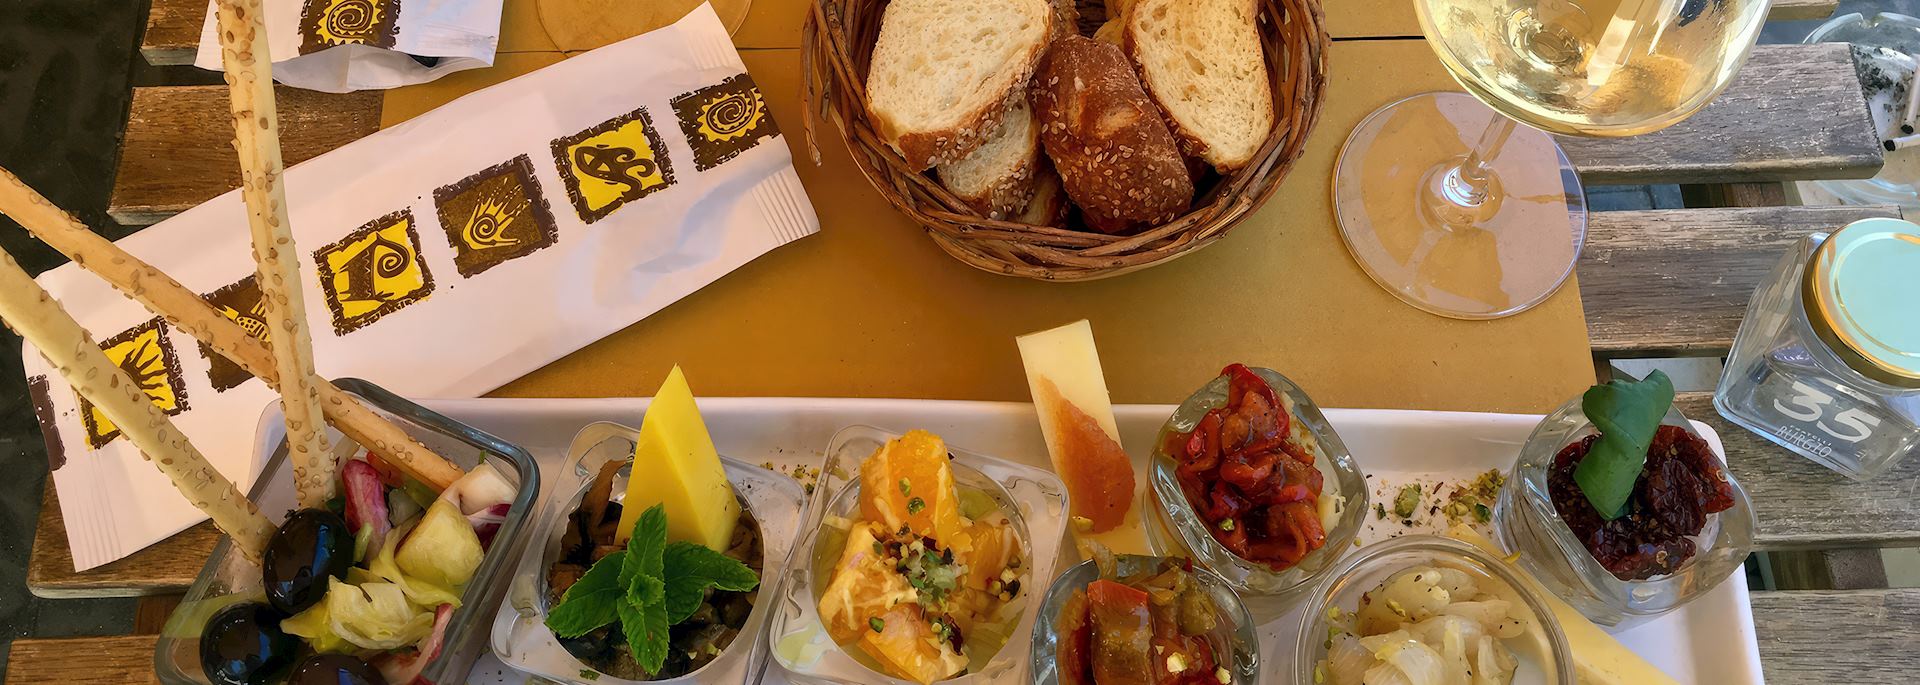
(1076, 418)
(1598, 659)
(674, 464)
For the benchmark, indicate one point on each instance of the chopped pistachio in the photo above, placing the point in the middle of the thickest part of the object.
(1407, 502)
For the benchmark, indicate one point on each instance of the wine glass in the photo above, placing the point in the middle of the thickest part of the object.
(1456, 210)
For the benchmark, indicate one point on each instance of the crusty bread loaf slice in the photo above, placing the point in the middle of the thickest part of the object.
(1066, 18)
(943, 70)
(1201, 62)
(1115, 156)
(997, 178)
(1049, 205)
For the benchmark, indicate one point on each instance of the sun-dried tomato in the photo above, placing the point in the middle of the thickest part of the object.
(1681, 484)
(1257, 490)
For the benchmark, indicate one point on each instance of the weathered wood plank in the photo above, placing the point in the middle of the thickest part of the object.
(1676, 282)
(167, 567)
(83, 661)
(1794, 113)
(178, 148)
(1802, 505)
(173, 31)
(1841, 636)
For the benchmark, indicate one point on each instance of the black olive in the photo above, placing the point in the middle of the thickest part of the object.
(335, 669)
(312, 546)
(243, 645)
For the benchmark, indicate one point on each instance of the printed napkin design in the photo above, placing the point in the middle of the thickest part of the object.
(615, 162)
(474, 188)
(495, 216)
(724, 120)
(144, 354)
(373, 272)
(340, 46)
(241, 303)
(333, 23)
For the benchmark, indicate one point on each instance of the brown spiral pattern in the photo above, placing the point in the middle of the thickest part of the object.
(351, 19)
(389, 258)
(731, 113)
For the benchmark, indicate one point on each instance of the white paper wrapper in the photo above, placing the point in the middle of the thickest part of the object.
(340, 46)
(427, 267)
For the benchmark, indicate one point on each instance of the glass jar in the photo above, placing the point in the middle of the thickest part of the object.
(1527, 522)
(1176, 529)
(1827, 362)
(1546, 658)
(520, 636)
(1033, 500)
(1234, 634)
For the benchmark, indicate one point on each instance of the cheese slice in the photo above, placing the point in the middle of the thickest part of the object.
(675, 465)
(1598, 659)
(1104, 484)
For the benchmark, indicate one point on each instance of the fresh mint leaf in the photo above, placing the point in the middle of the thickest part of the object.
(691, 569)
(1627, 415)
(646, 629)
(647, 590)
(592, 601)
(645, 546)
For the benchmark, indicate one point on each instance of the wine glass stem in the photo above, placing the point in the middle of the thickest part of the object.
(1474, 175)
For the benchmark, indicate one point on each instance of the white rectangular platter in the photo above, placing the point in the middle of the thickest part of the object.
(1709, 641)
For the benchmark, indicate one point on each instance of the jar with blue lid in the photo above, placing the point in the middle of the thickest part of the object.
(1827, 362)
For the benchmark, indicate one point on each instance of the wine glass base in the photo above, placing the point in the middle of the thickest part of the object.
(1416, 229)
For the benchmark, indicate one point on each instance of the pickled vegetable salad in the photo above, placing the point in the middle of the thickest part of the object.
(374, 578)
(926, 583)
(1428, 625)
(1149, 629)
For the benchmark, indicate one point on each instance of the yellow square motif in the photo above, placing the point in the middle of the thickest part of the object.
(612, 164)
(374, 271)
(144, 354)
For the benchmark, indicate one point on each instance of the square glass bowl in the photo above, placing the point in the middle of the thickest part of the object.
(1033, 499)
(521, 638)
(1544, 655)
(1234, 633)
(1176, 529)
(229, 577)
(1527, 522)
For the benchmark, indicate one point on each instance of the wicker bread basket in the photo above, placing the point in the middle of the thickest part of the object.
(838, 42)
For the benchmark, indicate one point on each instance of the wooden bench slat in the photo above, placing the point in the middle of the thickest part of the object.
(173, 31)
(1676, 282)
(164, 568)
(1799, 503)
(178, 148)
(83, 661)
(1838, 636)
(1794, 113)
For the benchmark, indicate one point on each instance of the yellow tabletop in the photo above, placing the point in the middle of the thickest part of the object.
(871, 308)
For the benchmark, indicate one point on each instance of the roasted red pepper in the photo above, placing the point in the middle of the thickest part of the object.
(1122, 634)
(1247, 477)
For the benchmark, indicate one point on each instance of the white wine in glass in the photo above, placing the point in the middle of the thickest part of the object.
(1454, 209)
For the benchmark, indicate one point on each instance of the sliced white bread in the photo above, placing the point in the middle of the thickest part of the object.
(943, 70)
(997, 178)
(1115, 156)
(1202, 64)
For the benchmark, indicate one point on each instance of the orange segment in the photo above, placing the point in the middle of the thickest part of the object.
(906, 646)
(909, 482)
(864, 586)
(993, 547)
(1097, 472)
